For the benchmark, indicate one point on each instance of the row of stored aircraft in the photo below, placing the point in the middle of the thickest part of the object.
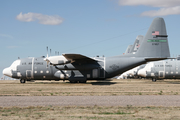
(79, 68)
(165, 69)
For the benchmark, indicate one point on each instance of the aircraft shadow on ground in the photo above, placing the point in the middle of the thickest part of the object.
(169, 82)
(103, 82)
(173, 82)
(99, 82)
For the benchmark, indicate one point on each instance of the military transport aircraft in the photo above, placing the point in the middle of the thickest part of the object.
(132, 49)
(79, 68)
(166, 69)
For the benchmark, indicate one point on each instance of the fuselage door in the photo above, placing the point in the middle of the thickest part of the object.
(28, 74)
(95, 73)
(161, 74)
(101, 72)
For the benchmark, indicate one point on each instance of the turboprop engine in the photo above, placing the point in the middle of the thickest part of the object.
(57, 60)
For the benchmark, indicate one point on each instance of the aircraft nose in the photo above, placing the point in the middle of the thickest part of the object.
(142, 73)
(7, 72)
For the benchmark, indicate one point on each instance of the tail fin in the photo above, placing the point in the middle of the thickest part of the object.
(155, 43)
(128, 49)
(136, 44)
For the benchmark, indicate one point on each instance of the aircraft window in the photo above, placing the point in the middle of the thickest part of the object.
(166, 72)
(171, 72)
(15, 64)
(47, 71)
(35, 71)
(41, 72)
(176, 72)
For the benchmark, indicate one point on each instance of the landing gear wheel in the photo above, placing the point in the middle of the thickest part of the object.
(154, 79)
(73, 81)
(82, 81)
(22, 81)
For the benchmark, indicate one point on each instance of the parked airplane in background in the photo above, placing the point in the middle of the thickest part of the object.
(167, 69)
(132, 49)
(79, 68)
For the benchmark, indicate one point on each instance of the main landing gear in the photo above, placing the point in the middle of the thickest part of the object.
(22, 81)
(154, 79)
(75, 81)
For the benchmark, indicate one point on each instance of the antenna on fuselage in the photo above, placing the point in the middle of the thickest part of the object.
(46, 59)
(47, 52)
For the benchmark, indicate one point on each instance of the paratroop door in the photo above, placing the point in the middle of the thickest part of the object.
(28, 74)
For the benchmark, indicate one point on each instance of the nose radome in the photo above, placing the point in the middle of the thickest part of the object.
(7, 72)
(142, 73)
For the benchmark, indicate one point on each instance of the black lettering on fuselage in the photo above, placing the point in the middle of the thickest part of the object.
(168, 65)
(163, 65)
(38, 63)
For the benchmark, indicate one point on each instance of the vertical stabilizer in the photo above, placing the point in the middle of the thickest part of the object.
(128, 49)
(155, 43)
(137, 44)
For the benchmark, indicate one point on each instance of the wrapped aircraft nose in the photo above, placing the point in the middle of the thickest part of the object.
(7, 72)
(142, 73)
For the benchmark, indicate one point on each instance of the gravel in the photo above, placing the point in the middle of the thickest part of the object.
(135, 100)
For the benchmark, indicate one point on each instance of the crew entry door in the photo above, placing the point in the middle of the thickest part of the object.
(28, 74)
(161, 74)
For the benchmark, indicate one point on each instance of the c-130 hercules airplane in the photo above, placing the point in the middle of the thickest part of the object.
(79, 68)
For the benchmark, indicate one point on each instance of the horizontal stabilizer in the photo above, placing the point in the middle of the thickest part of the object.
(154, 59)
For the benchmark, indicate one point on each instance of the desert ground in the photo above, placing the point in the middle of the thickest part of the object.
(92, 88)
(113, 87)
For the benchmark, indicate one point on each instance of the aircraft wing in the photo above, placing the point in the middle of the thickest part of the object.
(79, 58)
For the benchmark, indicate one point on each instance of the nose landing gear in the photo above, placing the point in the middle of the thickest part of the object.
(22, 81)
(154, 79)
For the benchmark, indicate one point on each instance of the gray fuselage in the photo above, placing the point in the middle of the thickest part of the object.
(37, 69)
(169, 69)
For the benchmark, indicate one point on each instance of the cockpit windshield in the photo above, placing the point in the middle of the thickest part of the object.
(15, 64)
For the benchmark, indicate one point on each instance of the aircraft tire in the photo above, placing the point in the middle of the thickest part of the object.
(82, 81)
(154, 79)
(73, 81)
(22, 81)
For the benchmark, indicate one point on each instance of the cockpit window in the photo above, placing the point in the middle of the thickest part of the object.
(15, 64)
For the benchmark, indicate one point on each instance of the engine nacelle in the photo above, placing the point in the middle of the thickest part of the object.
(57, 60)
(61, 75)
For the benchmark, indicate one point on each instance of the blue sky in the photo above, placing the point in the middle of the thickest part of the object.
(88, 27)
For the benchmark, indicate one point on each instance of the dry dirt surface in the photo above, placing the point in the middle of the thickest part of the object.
(135, 100)
(91, 88)
(90, 113)
(159, 94)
